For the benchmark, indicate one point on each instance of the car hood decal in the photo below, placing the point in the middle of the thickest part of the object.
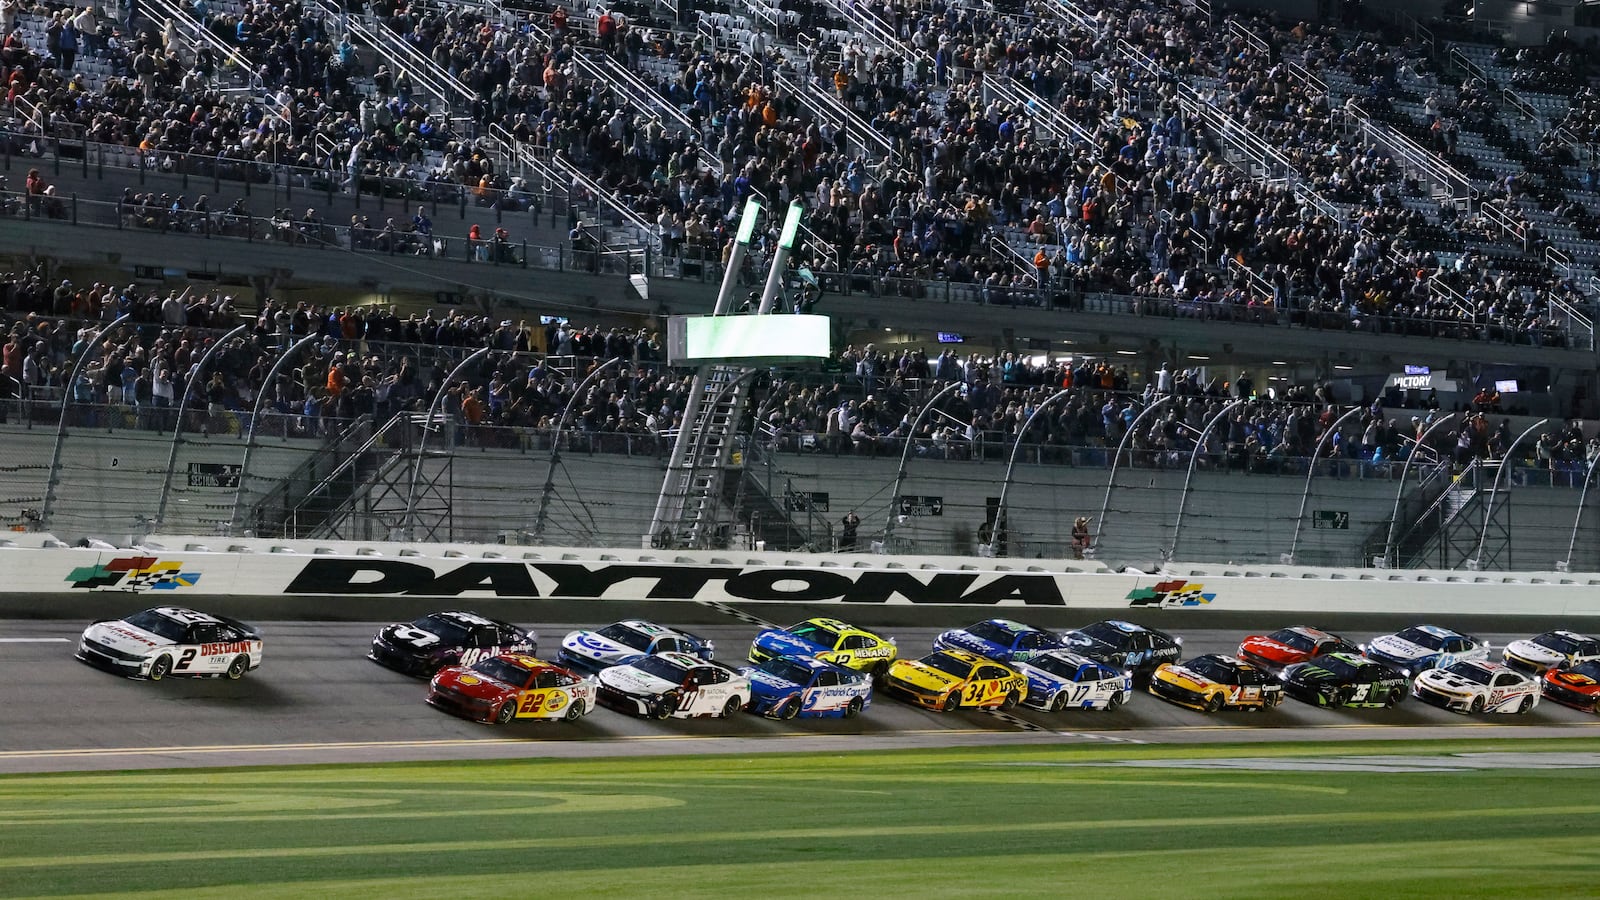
(125, 637)
(783, 642)
(1400, 648)
(1530, 650)
(633, 681)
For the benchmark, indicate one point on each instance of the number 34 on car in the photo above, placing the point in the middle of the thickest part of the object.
(948, 679)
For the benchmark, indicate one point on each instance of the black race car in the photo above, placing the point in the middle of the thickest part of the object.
(1133, 648)
(452, 638)
(1345, 679)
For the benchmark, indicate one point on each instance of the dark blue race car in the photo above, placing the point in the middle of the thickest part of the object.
(784, 687)
(1000, 639)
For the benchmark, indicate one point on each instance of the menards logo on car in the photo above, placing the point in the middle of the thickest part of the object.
(662, 582)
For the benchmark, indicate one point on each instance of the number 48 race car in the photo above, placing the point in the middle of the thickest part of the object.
(169, 640)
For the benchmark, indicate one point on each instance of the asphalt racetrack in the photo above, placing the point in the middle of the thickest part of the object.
(317, 699)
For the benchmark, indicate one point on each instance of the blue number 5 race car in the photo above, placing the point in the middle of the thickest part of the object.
(787, 686)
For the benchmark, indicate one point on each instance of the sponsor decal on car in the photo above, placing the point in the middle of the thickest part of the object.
(1171, 593)
(133, 574)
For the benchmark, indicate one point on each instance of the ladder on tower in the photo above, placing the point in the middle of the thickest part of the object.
(686, 510)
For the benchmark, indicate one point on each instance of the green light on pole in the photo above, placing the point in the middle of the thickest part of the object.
(791, 226)
(747, 222)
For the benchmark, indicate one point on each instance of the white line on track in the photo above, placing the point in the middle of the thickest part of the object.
(5, 640)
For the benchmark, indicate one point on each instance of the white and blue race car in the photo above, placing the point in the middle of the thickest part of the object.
(1061, 679)
(625, 641)
(1000, 639)
(784, 687)
(1423, 647)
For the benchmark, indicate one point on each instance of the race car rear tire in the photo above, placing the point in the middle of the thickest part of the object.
(1526, 707)
(853, 708)
(666, 706)
(237, 668)
(574, 712)
(951, 701)
(506, 712)
(1011, 701)
(1396, 697)
(1214, 705)
(732, 707)
(161, 668)
(789, 709)
(1115, 702)
(1477, 704)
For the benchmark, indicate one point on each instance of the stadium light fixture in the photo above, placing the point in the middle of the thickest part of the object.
(747, 221)
(791, 226)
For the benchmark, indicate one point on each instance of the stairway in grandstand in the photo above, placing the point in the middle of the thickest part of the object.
(687, 512)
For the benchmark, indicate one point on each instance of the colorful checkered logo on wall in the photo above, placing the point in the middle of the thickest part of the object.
(1171, 593)
(133, 573)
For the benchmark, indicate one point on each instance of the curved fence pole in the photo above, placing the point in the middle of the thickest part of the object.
(1011, 465)
(1311, 472)
(1116, 462)
(427, 429)
(54, 475)
(1583, 496)
(905, 458)
(555, 447)
(177, 429)
(1494, 488)
(255, 420)
(1390, 551)
(1194, 457)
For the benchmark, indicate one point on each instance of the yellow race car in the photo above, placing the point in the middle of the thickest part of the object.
(1215, 682)
(947, 679)
(826, 640)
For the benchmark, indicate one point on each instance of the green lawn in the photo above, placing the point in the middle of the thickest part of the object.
(926, 824)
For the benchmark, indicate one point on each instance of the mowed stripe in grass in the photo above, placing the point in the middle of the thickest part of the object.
(939, 823)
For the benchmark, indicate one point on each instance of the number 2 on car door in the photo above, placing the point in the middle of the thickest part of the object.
(185, 660)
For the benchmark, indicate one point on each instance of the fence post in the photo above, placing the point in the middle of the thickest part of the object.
(74, 207)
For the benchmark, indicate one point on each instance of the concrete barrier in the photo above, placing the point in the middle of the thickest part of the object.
(180, 571)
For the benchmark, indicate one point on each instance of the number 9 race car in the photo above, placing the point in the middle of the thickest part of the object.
(169, 640)
(451, 638)
(946, 679)
(784, 687)
(512, 686)
(1215, 682)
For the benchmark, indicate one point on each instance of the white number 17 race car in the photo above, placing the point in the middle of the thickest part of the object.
(169, 640)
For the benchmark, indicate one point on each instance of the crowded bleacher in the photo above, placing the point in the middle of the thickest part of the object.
(1238, 168)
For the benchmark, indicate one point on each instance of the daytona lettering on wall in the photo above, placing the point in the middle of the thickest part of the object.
(580, 582)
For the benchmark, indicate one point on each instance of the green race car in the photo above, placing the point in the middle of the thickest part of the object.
(1345, 679)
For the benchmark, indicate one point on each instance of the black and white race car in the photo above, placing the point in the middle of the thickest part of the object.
(170, 640)
(451, 638)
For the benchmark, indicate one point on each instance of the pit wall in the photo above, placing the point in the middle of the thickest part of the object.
(187, 570)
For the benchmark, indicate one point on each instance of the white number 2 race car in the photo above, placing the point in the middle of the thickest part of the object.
(169, 640)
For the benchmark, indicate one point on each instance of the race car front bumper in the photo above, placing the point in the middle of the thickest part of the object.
(913, 694)
(465, 707)
(1312, 694)
(623, 702)
(404, 663)
(109, 660)
(1182, 696)
(1432, 697)
(1568, 697)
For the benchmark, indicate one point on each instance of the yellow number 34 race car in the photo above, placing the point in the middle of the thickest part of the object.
(1214, 682)
(947, 679)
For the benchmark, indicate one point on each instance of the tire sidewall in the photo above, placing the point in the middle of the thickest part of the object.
(500, 715)
(161, 668)
(242, 664)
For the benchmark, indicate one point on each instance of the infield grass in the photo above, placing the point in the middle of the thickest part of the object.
(1017, 821)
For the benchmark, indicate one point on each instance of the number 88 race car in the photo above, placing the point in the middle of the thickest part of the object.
(169, 640)
(1476, 686)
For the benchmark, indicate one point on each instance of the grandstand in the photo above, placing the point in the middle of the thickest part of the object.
(1278, 290)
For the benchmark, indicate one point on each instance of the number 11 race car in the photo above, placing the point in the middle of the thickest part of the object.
(512, 686)
(169, 640)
